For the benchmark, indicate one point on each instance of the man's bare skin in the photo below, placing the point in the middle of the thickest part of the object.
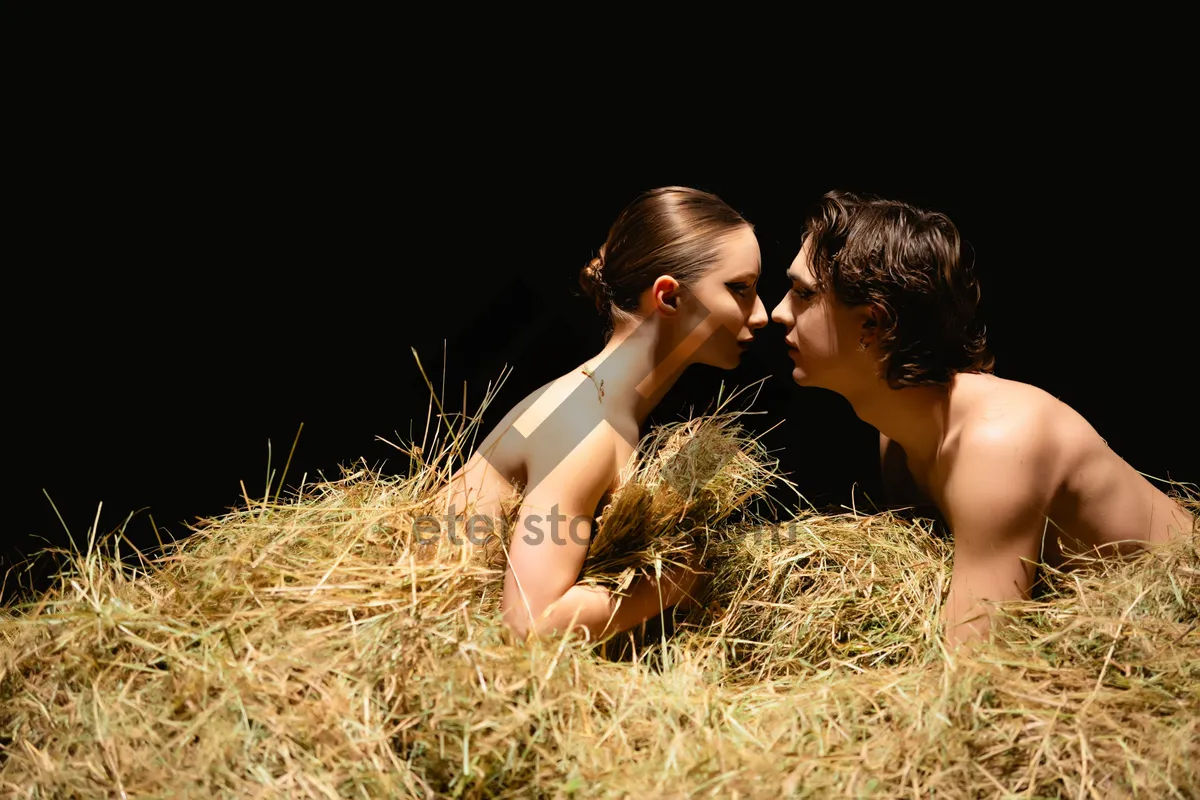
(1014, 473)
(1011, 470)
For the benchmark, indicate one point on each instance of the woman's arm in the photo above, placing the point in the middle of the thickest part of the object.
(550, 542)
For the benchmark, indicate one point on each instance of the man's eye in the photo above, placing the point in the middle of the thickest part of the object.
(804, 294)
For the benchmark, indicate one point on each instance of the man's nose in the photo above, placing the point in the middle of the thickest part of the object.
(780, 313)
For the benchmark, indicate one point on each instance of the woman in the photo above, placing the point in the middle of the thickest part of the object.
(676, 282)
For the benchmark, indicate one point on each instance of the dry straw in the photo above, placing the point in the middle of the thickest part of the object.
(303, 646)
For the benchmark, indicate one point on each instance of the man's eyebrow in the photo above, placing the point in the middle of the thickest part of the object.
(794, 278)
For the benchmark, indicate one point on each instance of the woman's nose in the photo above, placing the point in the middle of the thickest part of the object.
(758, 317)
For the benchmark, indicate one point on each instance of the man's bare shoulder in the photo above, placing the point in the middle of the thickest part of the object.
(1015, 448)
(1014, 424)
(1004, 448)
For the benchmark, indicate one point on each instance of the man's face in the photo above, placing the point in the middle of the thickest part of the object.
(821, 333)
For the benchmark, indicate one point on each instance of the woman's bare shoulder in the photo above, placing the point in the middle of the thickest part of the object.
(559, 410)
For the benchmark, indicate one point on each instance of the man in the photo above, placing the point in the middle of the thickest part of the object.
(882, 311)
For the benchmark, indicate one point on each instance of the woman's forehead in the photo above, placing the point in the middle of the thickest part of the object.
(740, 255)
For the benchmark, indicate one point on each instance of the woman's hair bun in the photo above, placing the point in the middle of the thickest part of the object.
(591, 280)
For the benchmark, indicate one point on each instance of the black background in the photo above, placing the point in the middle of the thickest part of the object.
(204, 261)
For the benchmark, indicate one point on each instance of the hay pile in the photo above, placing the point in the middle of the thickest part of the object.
(826, 591)
(305, 648)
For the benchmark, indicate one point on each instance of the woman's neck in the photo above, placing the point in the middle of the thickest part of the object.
(636, 368)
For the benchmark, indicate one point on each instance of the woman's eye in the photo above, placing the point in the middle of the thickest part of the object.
(739, 289)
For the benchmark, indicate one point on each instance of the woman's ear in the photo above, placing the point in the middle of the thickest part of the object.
(665, 293)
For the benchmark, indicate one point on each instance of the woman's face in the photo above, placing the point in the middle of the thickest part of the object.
(724, 306)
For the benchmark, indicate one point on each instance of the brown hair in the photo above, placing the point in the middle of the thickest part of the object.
(672, 230)
(907, 263)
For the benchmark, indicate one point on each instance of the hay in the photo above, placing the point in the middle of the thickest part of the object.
(689, 479)
(301, 648)
(828, 590)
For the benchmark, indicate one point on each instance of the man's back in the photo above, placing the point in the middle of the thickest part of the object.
(1092, 497)
(1095, 499)
(1018, 472)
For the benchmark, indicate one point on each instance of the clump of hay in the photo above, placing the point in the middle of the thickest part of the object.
(266, 652)
(687, 480)
(850, 591)
(301, 648)
(828, 590)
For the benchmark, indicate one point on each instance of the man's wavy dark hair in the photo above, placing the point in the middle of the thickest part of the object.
(907, 263)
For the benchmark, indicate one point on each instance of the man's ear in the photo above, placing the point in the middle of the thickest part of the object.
(874, 317)
(666, 294)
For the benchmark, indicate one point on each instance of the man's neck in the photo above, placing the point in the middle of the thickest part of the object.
(917, 418)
